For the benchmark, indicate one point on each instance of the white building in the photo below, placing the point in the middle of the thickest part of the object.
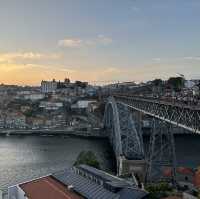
(51, 105)
(82, 104)
(2, 121)
(34, 96)
(48, 86)
(189, 84)
(15, 120)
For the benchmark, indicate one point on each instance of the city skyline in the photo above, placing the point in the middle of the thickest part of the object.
(98, 41)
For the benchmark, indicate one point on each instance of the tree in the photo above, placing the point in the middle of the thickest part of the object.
(81, 84)
(29, 113)
(157, 82)
(88, 158)
(157, 191)
(101, 108)
(198, 84)
(177, 83)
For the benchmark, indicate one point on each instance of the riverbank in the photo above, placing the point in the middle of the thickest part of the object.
(97, 133)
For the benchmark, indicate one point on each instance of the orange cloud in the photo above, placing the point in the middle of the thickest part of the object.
(33, 73)
(76, 42)
(20, 56)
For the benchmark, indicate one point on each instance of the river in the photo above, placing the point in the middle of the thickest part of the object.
(26, 157)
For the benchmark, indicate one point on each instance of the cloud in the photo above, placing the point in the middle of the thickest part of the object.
(76, 42)
(70, 42)
(157, 59)
(31, 73)
(8, 67)
(192, 58)
(9, 57)
(19, 56)
(57, 68)
(12, 73)
(111, 70)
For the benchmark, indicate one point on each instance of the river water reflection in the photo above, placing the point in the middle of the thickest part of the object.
(24, 158)
(28, 157)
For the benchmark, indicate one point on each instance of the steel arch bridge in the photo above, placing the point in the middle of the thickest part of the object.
(165, 116)
(187, 117)
(125, 139)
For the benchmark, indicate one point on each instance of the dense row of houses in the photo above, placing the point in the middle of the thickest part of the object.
(13, 120)
(18, 120)
(48, 101)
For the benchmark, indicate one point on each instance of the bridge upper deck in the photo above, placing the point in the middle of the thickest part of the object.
(173, 102)
(183, 115)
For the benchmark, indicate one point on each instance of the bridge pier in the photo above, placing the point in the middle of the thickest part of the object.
(161, 152)
(137, 167)
(125, 138)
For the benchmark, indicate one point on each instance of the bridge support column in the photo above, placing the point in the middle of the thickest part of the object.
(161, 157)
(128, 167)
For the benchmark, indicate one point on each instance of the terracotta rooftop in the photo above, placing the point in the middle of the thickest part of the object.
(180, 170)
(185, 170)
(48, 188)
(197, 178)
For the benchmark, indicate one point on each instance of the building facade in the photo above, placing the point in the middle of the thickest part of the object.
(48, 86)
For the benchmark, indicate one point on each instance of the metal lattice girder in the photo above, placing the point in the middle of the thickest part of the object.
(131, 145)
(187, 117)
(161, 152)
(122, 132)
(111, 124)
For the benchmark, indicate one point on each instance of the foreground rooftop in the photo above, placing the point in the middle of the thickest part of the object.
(47, 188)
(78, 183)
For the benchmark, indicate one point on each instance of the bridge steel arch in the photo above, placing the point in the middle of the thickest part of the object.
(125, 139)
(187, 117)
(112, 125)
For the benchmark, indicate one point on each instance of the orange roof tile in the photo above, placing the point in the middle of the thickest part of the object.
(185, 171)
(197, 179)
(48, 188)
(167, 172)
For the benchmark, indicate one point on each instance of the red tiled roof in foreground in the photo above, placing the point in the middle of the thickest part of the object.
(180, 170)
(47, 188)
(197, 178)
(185, 171)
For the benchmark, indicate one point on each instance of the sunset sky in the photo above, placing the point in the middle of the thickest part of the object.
(98, 40)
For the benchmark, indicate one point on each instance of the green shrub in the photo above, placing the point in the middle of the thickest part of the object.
(88, 158)
(157, 191)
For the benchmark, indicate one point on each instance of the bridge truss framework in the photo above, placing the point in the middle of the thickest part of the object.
(165, 116)
(125, 139)
(186, 117)
(162, 156)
